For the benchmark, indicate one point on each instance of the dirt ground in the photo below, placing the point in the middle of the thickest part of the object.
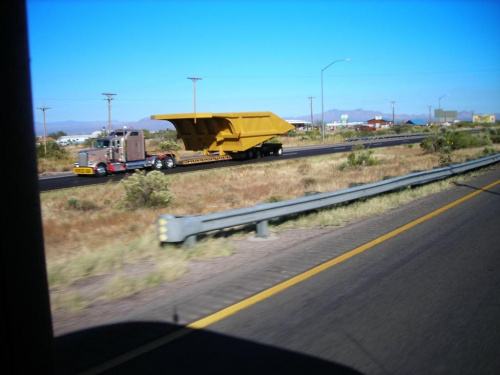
(246, 250)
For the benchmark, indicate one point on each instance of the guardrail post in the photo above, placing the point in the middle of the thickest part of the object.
(189, 242)
(262, 229)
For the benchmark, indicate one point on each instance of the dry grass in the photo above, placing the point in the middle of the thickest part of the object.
(70, 231)
(105, 239)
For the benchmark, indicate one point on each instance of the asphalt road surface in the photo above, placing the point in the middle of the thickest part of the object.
(69, 180)
(413, 291)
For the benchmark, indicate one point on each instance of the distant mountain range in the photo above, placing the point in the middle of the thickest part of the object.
(89, 127)
(362, 115)
(356, 115)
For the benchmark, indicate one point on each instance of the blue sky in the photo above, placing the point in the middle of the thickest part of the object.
(261, 56)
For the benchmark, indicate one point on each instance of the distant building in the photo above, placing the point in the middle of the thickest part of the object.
(67, 140)
(40, 140)
(336, 125)
(301, 124)
(380, 122)
(416, 122)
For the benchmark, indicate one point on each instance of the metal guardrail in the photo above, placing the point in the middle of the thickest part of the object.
(183, 229)
(389, 136)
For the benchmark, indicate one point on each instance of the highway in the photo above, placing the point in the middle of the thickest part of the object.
(69, 180)
(412, 291)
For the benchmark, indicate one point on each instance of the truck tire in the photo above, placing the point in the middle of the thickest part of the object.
(169, 163)
(158, 164)
(250, 153)
(278, 151)
(101, 170)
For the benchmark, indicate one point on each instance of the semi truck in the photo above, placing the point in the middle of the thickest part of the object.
(223, 136)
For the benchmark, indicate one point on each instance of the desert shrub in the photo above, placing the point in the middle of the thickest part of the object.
(274, 198)
(168, 145)
(146, 190)
(434, 143)
(449, 141)
(445, 157)
(273, 140)
(81, 205)
(461, 140)
(360, 158)
(358, 146)
(495, 138)
(54, 151)
(489, 151)
(308, 182)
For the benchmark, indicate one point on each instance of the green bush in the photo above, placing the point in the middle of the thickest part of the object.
(168, 145)
(489, 151)
(444, 157)
(54, 151)
(495, 138)
(360, 158)
(449, 141)
(433, 143)
(146, 190)
(166, 135)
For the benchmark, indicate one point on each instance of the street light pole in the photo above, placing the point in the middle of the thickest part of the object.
(194, 79)
(322, 101)
(393, 123)
(311, 99)
(43, 108)
(109, 99)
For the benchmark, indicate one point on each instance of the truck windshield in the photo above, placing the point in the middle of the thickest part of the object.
(103, 143)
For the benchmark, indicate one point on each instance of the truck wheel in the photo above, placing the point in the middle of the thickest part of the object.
(250, 154)
(101, 170)
(158, 164)
(169, 163)
(278, 151)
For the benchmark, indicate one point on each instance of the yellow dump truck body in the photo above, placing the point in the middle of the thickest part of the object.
(226, 132)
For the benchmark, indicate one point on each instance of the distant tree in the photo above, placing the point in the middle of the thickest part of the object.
(166, 135)
(88, 142)
(147, 134)
(54, 151)
(56, 135)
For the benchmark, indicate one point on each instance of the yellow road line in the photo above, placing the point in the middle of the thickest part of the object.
(213, 318)
(233, 309)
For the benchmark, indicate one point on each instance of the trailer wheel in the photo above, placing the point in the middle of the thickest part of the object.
(250, 154)
(169, 163)
(101, 170)
(278, 151)
(158, 164)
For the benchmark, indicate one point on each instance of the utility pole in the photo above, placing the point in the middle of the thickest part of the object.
(393, 123)
(311, 99)
(43, 108)
(109, 99)
(430, 117)
(194, 79)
